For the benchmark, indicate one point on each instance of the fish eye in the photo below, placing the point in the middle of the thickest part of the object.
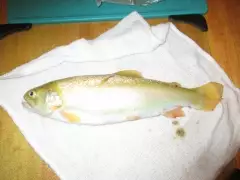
(32, 94)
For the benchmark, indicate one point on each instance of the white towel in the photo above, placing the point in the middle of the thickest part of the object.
(139, 150)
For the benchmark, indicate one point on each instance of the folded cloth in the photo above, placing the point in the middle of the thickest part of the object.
(144, 149)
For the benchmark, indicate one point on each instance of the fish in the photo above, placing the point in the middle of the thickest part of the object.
(118, 97)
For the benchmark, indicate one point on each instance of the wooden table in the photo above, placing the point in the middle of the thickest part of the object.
(18, 161)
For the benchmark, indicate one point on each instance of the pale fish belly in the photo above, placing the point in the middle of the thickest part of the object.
(112, 105)
(100, 100)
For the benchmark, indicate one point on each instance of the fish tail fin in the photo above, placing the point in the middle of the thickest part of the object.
(213, 95)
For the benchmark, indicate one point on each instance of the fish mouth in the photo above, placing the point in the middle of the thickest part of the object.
(26, 105)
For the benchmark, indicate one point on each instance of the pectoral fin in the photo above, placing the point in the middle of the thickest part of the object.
(53, 108)
(70, 117)
(177, 112)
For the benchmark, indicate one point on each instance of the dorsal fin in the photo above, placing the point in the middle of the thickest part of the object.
(129, 73)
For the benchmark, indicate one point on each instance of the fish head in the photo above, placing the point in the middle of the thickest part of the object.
(43, 100)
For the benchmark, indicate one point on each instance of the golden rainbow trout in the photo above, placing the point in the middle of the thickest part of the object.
(118, 97)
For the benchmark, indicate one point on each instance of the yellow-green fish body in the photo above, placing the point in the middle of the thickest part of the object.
(123, 96)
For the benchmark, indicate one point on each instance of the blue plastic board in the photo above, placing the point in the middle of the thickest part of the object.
(62, 11)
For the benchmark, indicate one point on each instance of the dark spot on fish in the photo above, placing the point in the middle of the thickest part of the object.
(180, 132)
(19, 168)
(175, 123)
(16, 148)
(175, 85)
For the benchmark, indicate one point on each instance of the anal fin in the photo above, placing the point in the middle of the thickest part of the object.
(174, 113)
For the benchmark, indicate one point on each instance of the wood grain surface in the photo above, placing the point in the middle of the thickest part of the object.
(18, 161)
(3, 12)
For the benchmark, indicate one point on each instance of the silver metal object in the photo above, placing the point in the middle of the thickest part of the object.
(129, 2)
